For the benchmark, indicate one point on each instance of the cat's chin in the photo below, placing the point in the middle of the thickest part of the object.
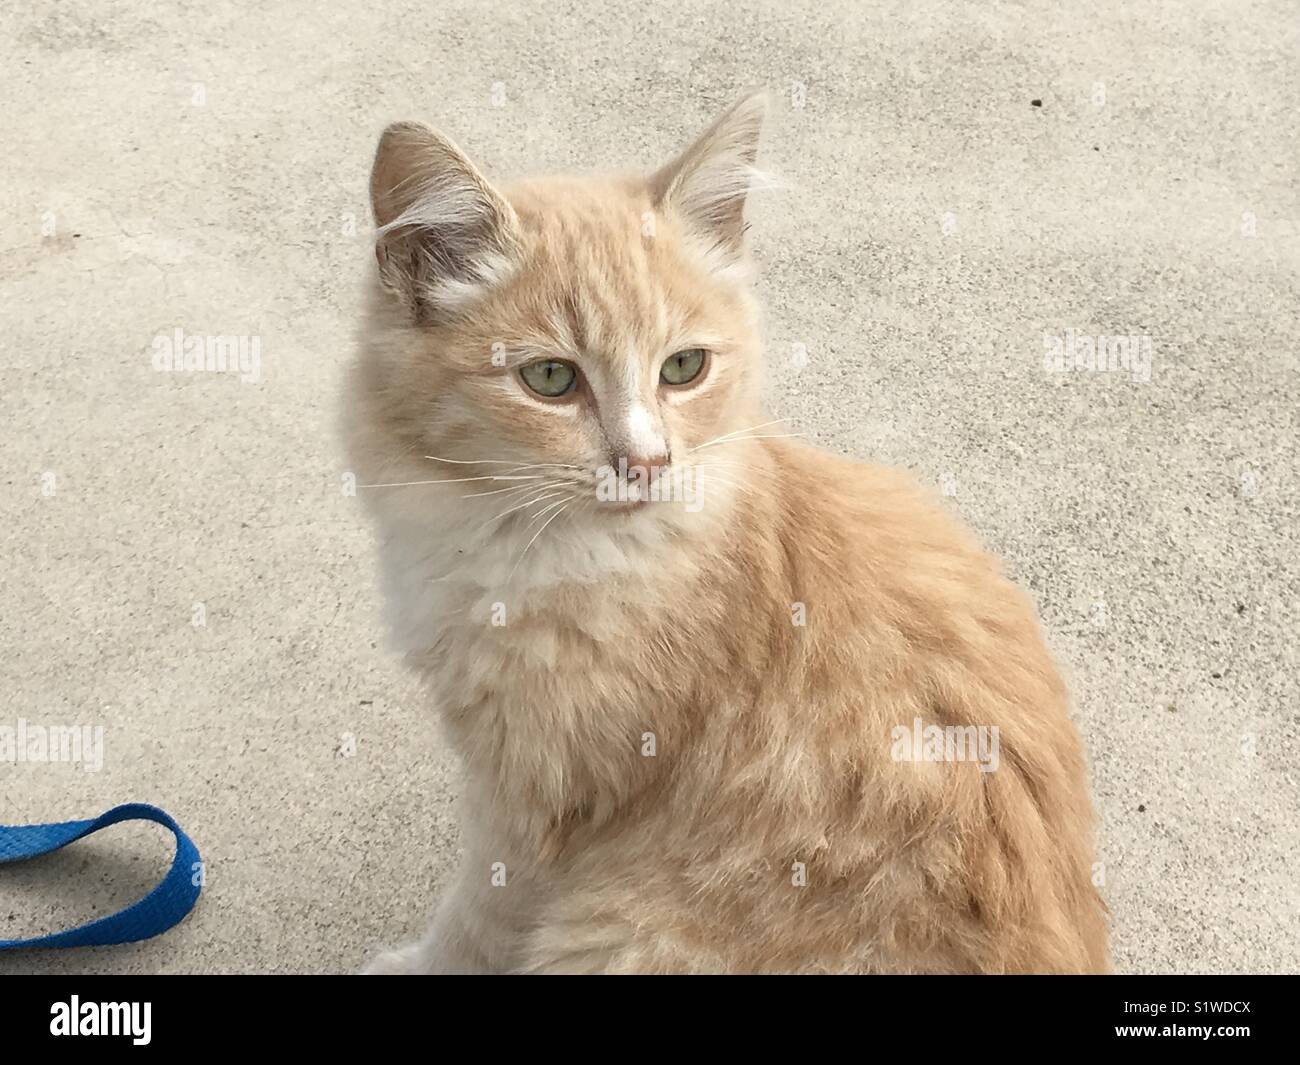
(634, 518)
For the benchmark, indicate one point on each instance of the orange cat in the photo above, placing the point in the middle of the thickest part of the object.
(725, 703)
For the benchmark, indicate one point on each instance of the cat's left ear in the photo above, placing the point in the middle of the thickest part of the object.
(708, 183)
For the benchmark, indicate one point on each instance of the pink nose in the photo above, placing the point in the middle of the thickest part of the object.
(640, 469)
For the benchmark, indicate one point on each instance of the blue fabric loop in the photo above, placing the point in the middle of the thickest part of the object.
(158, 911)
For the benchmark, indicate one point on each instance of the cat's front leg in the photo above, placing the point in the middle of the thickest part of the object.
(468, 936)
(401, 961)
(477, 928)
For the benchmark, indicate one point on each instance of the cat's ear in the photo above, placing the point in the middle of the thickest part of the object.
(707, 184)
(444, 233)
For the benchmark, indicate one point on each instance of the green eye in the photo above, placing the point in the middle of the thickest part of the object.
(682, 368)
(549, 378)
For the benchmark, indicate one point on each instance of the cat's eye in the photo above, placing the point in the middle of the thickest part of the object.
(549, 377)
(683, 367)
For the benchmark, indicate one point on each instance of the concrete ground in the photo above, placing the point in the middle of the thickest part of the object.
(963, 182)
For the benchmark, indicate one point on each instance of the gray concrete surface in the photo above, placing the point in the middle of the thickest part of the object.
(203, 166)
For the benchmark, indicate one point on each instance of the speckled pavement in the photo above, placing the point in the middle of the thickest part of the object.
(969, 191)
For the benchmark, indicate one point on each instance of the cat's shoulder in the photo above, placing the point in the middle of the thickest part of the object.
(859, 490)
(881, 525)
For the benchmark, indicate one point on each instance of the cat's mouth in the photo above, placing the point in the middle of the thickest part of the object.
(675, 487)
(622, 506)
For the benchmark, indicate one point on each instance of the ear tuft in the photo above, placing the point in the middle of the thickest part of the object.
(708, 183)
(444, 232)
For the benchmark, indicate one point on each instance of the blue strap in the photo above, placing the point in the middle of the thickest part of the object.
(163, 907)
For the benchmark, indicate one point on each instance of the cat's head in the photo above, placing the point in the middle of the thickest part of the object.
(585, 340)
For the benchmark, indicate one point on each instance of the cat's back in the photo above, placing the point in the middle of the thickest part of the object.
(959, 857)
(880, 552)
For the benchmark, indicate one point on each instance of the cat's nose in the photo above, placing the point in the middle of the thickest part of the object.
(643, 468)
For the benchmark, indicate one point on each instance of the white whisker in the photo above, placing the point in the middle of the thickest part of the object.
(499, 462)
(734, 432)
(530, 543)
(498, 491)
(450, 480)
(761, 436)
(546, 494)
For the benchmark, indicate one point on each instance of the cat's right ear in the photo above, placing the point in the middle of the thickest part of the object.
(708, 183)
(444, 234)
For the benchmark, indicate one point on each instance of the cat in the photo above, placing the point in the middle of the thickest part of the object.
(682, 725)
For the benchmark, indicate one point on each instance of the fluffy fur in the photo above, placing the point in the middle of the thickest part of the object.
(676, 722)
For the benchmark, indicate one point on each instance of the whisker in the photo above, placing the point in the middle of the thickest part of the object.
(450, 480)
(734, 432)
(549, 492)
(715, 478)
(708, 474)
(715, 463)
(761, 436)
(499, 462)
(530, 543)
(529, 502)
(498, 491)
(533, 520)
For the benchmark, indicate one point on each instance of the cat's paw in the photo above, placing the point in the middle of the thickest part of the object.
(403, 961)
